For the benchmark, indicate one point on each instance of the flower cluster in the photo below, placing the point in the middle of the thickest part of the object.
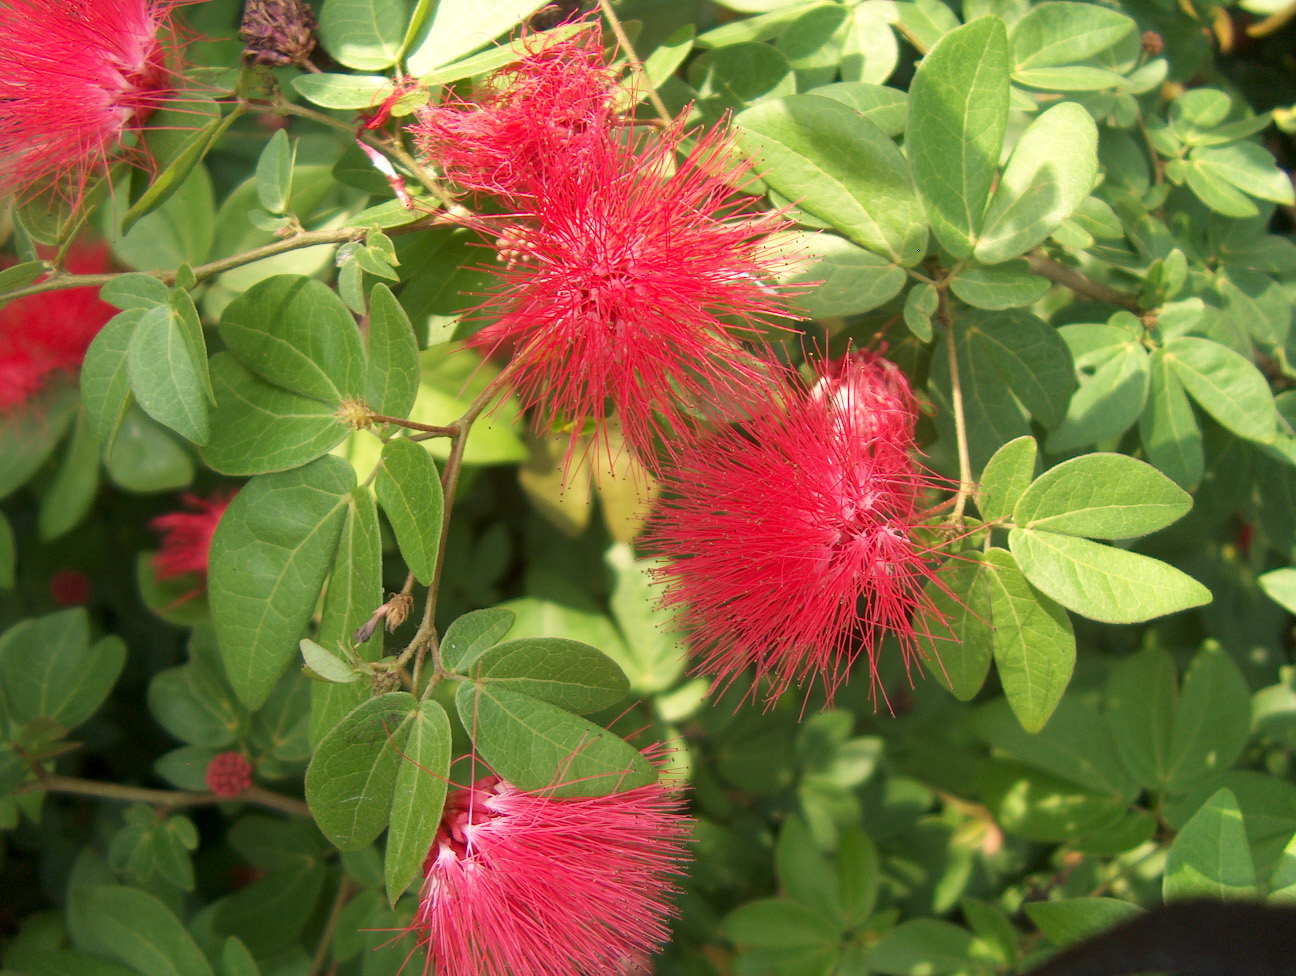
(187, 536)
(75, 77)
(229, 774)
(47, 334)
(637, 280)
(523, 884)
(792, 540)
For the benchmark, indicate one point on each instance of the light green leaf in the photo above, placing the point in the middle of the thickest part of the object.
(469, 636)
(1218, 193)
(1040, 188)
(958, 116)
(1227, 387)
(1034, 644)
(258, 428)
(269, 557)
(135, 291)
(326, 665)
(274, 173)
(887, 108)
(1248, 167)
(1102, 496)
(1066, 33)
(1007, 285)
(1142, 702)
(146, 457)
(134, 928)
(1074, 77)
(1070, 920)
(1007, 474)
(923, 947)
(459, 27)
(1108, 401)
(574, 676)
(920, 305)
(654, 655)
(1210, 857)
(538, 746)
(959, 648)
(839, 167)
(845, 278)
(1102, 582)
(393, 355)
(164, 376)
(343, 91)
(350, 780)
(105, 379)
(1280, 586)
(417, 797)
(1168, 427)
(729, 79)
(69, 496)
(1030, 356)
(409, 491)
(363, 34)
(294, 332)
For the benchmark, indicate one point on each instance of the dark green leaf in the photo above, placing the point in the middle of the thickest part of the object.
(134, 928)
(469, 636)
(1008, 285)
(1072, 919)
(1108, 402)
(28, 435)
(48, 668)
(1212, 722)
(69, 496)
(274, 173)
(393, 355)
(959, 113)
(418, 796)
(105, 380)
(960, 648)
(1142, 703)
(923, 947)
(269, 557)
(574, 676)
(409, 491)
(538, 746)
(164, 376)
(350, 779)
(146, 457)
(778, 923)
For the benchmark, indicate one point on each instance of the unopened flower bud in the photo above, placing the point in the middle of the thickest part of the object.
(277, 32)
(229, 774)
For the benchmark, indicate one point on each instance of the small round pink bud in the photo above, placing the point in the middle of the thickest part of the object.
(229, 774)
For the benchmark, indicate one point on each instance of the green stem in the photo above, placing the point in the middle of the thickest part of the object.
(171, 799)
(636, 65)
(345, 889)
(966, 486)
(1081, 284)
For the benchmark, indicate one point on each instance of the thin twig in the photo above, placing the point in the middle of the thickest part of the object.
(966, 487)
(636, 65)
(345, 889)
(172, 799)
(1081, 284)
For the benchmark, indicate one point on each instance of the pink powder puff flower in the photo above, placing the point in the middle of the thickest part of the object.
(793, 541)
(640, 286)
(75, 77)
(47, 334)
(187, 536)
(533, 121)
(523, 884)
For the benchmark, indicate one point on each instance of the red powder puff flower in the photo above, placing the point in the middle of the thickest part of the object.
(533, 121)
(634, 286)
(229, 774)
(522, 884)
(47, 334)
(70, 588)
(75, 77)
(187, 536)
(793, 540)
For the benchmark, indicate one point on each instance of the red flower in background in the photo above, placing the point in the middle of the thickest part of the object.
(522, 884)
(793, 541)
(75, 76)
(637, 287)
(229, 774)
(533, 122)
(47, 334)
(187, 536)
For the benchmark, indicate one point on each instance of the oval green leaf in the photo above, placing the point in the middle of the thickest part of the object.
(409, 491)
(1102, 496)
(566, 673)
(1227, 386)
(418, 796)
(165, 377)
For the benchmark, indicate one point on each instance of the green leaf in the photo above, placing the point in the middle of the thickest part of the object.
(236, 960)
(1168, 427)
(326, 665)
(269, 557)
(257, 428)
(138, 290)
(779, 923)
(270, 913)
(1066, 33)
(343, 91)
(21, 275)
(469, 636)
(409, 490)
(923, 947)
(164, 376)
(667, 57)
(459, 27)
(134, 928)
(1006, 476)
(574, 676)
(1218, 193)
(418, 796)
(1073, 919)
(105, 379)
(70, 495)
(146, 457)
(957, 119)
(813, 44)
(1212, 722)
(920, 305)
(654, 654)
(28, 435)
(729, 79)
(274, 173)
(1280, 586)
(49, 669)
(1008, 285)
(1227, 387)
(1040, 188)
(887, 108)
(1102, 496)
(364, 34)
(960, 598)
(8, 554)
(1034, 645)
(538, 746)
(845, 278)
(180, 231)
(1210, 857)
(393, 355)
(1142, 702)
(818, 151)
(1108, 402)
(1030, 356)
(296, 333)
(1246, 166)
(1102, 582)
(350, 780)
